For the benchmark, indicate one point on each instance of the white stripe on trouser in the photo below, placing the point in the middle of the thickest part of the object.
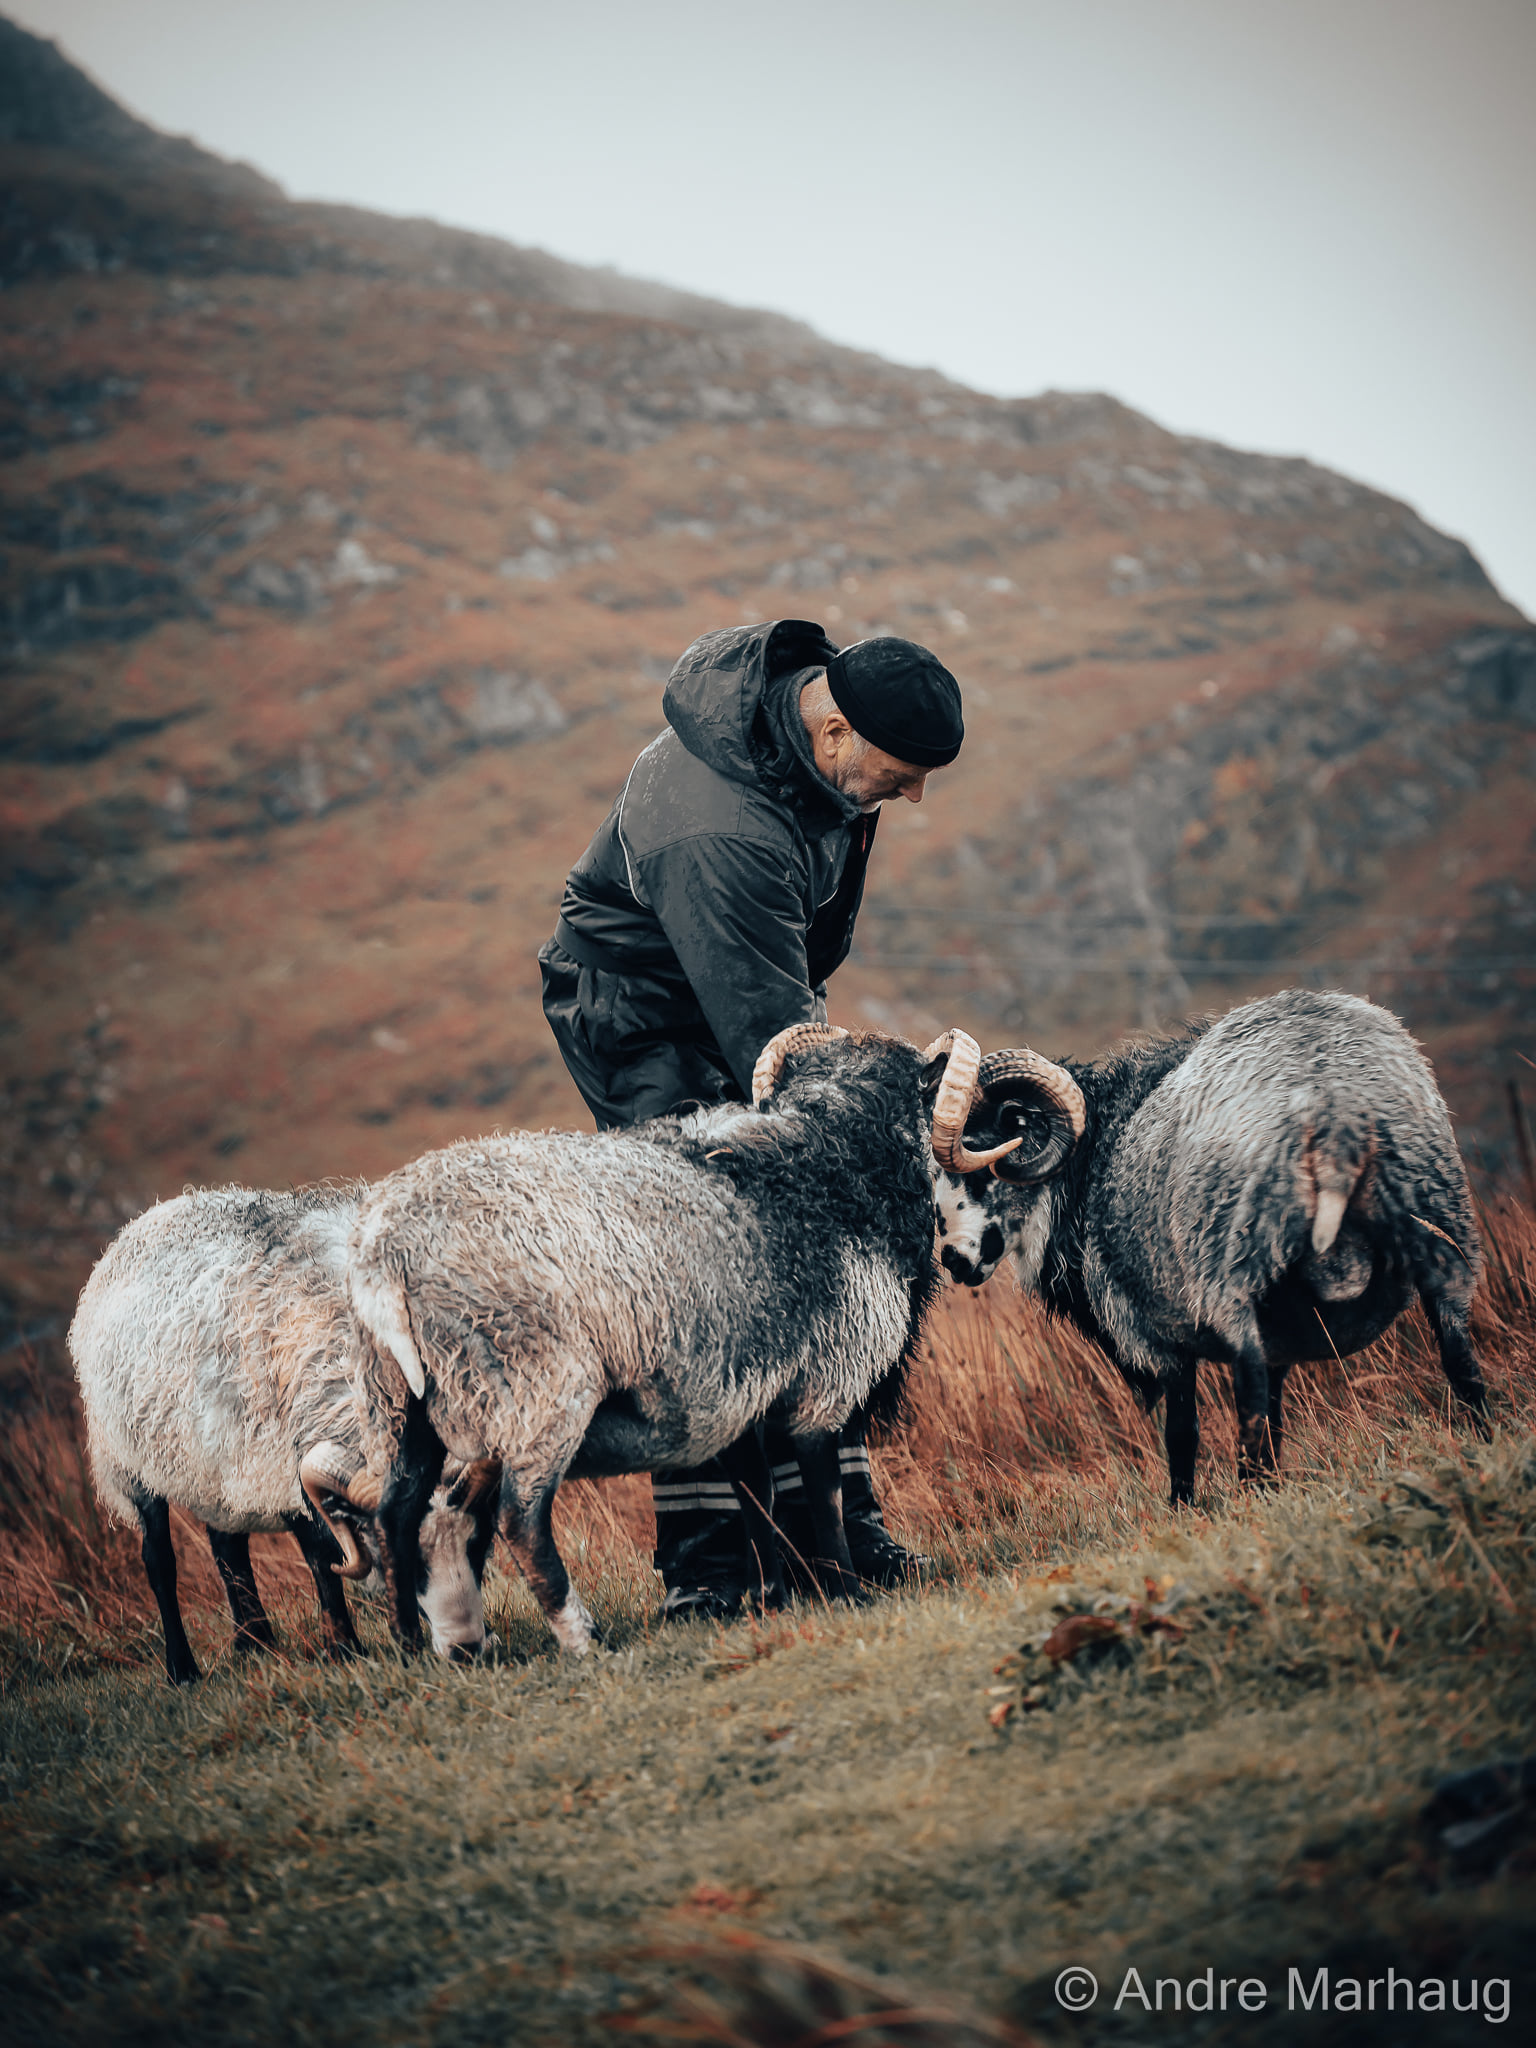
(854, 1458)
(710, 1496)
(716, 1497)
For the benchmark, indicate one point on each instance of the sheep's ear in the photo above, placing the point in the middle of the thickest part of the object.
(1039, 1122)
(932, 1075)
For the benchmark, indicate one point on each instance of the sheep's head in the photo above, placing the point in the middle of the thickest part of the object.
(948, 1070)
(970, 1221)
(1023, 1118)
(453, 1544)
(792, 1039)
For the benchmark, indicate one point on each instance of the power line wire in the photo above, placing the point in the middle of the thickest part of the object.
(1197, 969)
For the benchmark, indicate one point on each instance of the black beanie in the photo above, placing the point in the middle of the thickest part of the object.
(900, 698)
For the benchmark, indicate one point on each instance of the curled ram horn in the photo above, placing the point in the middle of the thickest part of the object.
(770, 1061)
(1051, 1091)
(330, 1469)
(954, 1102)
(465, 1484)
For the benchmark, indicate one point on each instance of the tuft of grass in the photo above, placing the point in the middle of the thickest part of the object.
(735, 1986)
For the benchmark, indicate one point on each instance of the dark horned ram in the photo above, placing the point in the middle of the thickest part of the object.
(630, 1301)
(1271, 1188)
(213, 1346)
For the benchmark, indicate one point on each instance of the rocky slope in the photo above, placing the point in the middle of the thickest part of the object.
(343, 559)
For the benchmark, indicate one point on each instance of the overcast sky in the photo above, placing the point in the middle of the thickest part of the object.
(1304, 226)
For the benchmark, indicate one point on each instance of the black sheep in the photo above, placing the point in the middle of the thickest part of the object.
(1273, 1187)
(640, 1299)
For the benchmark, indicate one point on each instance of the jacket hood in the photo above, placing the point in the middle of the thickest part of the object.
(730, 703)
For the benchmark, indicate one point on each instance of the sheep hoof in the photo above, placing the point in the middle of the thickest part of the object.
(572, 1626)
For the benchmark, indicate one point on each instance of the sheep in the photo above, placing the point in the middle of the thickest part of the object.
(211, 1344)
(1267, 1189)
(635, 1300)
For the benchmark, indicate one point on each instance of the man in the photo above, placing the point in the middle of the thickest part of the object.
(706, 915)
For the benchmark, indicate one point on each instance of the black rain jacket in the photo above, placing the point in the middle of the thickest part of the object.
(719, 892)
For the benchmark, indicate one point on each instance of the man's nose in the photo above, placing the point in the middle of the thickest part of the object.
(914, 790)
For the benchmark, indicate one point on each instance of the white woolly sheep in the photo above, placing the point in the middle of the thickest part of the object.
(213, 1343)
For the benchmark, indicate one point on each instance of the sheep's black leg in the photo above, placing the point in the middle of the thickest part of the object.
(1250, 1392)
(745, 1464)
(530, 1536)
(160, 1570)
(821, 1469)
(232, 1555)
(1277, 1375)
(1451, 1324)
(413, 1472)
(1181, 1432)
(321, 1552)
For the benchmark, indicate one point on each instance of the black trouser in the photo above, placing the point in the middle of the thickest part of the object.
(698, 1521)
(699, 1538)
(610, 1031)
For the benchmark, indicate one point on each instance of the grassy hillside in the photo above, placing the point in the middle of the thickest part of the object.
(746, 1834)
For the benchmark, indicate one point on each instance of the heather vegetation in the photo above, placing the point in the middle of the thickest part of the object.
(780, 1830)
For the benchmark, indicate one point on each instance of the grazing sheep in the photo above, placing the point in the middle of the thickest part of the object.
(636, 1300)
(1267, 1189)
(212, 1345)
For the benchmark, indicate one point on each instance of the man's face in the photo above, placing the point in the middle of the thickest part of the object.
(869, 776)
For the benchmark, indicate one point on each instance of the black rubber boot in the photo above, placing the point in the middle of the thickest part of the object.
(700, 1548)
(791, 1512)
(877, 1557)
